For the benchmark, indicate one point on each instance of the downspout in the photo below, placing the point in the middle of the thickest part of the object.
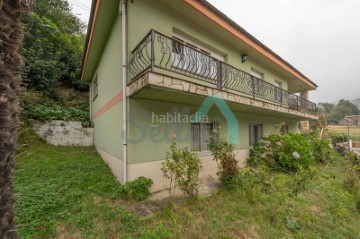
(123, 12)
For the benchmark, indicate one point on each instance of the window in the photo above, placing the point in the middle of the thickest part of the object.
(192, 57)
(278, 91)
(94, 87)
(284, 129)
(200, 135)
(258, 75)
(255, 133)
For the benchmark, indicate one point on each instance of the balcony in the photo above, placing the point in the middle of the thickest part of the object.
(158, 52)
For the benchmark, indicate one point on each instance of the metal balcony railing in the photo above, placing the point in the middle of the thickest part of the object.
(157, 50)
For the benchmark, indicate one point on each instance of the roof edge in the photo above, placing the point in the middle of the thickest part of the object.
(217, 12)
(89, 33)
(92, 20)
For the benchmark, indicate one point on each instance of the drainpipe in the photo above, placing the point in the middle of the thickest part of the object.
(123, 12)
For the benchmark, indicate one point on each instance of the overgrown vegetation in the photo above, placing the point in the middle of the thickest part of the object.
(67, 193)
(182, 168)
(139, 189)
(53, 47)
(292, 152)
(223, 154)
(69, 105)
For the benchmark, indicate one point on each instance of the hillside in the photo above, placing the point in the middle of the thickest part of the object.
(356, 102)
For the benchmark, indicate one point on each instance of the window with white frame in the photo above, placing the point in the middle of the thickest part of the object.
(94, 87)
(201, 133)
(255, 133)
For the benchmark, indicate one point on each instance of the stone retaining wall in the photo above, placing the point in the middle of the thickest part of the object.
(66, 133)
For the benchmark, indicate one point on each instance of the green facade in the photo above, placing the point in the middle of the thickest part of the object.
(147, 143)
(108, 126)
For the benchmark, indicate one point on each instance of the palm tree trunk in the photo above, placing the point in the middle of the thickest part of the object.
(11, 63)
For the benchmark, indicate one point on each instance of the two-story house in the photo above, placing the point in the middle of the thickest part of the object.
(153, 64)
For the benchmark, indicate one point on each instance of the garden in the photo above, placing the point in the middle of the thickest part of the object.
(295, 186)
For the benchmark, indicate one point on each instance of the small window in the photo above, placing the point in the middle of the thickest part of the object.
(255, 133)
(284, 129)
(200, 135)
(278, 84)
(94, 87)
(257, 74)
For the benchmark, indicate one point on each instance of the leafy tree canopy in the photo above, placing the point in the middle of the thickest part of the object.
(53, 46)
(334, 113)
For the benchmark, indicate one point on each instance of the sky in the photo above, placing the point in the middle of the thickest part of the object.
(320, 38)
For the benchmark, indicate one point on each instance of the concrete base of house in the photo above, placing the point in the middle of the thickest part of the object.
(116, 165)
(153, 169)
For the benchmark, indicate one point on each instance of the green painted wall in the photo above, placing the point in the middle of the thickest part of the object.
(149, 143)
(108, 126)
(145, 15)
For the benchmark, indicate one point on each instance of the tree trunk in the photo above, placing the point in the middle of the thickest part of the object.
(11, 63)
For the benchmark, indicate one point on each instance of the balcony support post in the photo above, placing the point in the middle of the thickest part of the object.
(305, 124)
(219, 75)
(152, 50)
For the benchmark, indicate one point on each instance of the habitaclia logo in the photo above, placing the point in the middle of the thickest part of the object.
(176, 117)
(232, 122)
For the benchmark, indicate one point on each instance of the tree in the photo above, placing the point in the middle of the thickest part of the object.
(11, 62)
(53, 47)
(328, 107)
(334, 113)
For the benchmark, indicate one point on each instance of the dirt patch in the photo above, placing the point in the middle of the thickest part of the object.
(62, 233)
(250, 233)
(147, 208)
(315, 209)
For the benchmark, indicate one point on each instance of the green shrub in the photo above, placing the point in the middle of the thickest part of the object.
(182, 168)
(57, 112)
(355, 161)
(290, 152)
(138, 189)
(322, 149)
(339, 138)
(223, 153)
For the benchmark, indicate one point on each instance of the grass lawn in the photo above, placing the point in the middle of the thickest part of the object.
(68, 192)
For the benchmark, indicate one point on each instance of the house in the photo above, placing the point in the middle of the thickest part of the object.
(347, 122)
(350, 120)
(163, 69)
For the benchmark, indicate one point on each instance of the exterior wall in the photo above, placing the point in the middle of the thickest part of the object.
(107, 115)
(153, 169)
(168, 21)
(148, 145)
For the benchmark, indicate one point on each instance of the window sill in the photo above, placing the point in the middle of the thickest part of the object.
(204, 153)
